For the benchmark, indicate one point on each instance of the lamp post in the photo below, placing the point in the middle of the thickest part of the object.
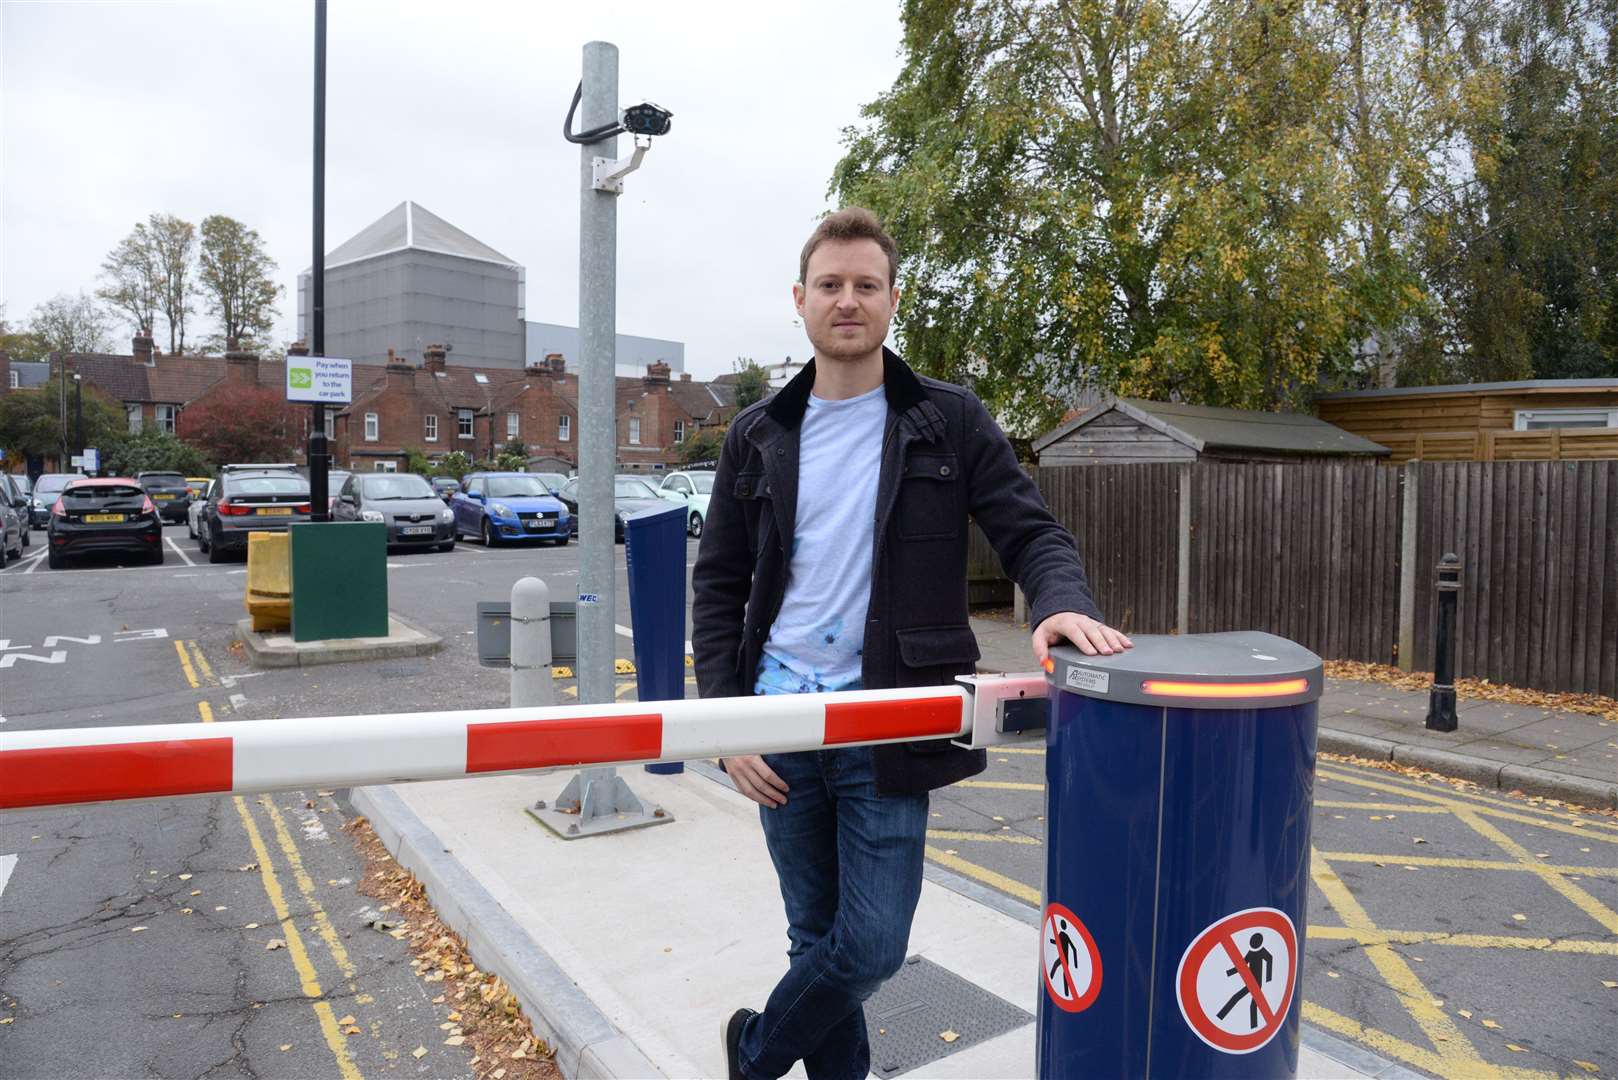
(78, 411)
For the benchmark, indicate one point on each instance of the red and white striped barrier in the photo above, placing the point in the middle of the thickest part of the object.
(86, 765)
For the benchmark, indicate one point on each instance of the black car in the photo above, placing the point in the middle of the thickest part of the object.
(630, 494)
(103, 515)
(445, 488)
(46, 488)
(249, 499)
(404, 502)
(169, 492)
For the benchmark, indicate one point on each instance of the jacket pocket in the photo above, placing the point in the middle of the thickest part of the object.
(930, 506)
(937, 646)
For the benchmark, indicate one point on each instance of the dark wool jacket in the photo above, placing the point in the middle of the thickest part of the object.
(943, 459)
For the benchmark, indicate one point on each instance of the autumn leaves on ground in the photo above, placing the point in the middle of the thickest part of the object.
(481, 1012)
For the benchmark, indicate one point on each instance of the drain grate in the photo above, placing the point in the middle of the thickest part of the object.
(908, 1016)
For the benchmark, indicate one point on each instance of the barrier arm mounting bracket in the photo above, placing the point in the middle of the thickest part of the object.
(1005, 708)
(608, 175)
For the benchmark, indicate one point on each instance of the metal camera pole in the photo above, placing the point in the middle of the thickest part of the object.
(317, 278)
(1441, 702)
(598, 427)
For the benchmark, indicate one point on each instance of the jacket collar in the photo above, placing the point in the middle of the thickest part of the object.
(903, 389)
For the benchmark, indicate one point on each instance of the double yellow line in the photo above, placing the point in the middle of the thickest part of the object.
(191, 663)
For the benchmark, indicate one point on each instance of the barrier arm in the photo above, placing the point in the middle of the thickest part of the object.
(72, 766)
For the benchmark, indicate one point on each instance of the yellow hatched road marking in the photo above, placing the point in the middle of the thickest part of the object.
(1586, 903)
(1464, 864)
(990, 837)
(1409, 1053)
(1540, 822)
(185, 664)
(307, 978)
(1502, 802)
(1470, 941)
(1457, 1052)
(1393, 808)
(306, 886)
(985, 875)
(1000, 785)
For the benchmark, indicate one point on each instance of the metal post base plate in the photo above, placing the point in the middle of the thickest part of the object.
(596, 801)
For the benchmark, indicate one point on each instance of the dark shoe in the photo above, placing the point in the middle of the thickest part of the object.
(731, 1033)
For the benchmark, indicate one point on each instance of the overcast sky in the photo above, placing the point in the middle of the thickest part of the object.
(112, 111)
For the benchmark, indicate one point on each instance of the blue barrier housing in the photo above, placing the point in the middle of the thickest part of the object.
(654, 549)
(1179, 787)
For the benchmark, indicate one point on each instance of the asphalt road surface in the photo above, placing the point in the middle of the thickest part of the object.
(1456, 932)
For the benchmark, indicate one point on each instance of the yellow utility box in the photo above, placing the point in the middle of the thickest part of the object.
(269, 580)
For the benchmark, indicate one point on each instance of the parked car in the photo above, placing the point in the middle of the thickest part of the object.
(404, 502)
(169, 492)
(552, 480)
(193, 513)
(198, 486)
(445, 488)
(496, 506)
(630, 494)
(14, 526)
(248, 499)
(693, 489)
(46, 489)
(103, 514)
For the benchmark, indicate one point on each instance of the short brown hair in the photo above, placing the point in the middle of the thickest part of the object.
(850, 223)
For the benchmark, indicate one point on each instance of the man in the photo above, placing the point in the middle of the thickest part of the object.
(833, 557)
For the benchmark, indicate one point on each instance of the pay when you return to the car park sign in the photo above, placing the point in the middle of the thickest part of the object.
(320, 379)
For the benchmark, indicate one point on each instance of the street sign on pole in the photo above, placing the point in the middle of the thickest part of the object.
(323, 380)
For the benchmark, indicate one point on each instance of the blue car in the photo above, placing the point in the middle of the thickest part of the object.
(500, 506)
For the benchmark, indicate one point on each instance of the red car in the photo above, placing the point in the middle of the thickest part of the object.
(103, 515)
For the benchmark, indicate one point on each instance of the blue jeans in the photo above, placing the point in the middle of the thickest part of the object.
(849, 863)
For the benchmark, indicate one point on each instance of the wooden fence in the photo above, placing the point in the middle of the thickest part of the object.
(1340, 557)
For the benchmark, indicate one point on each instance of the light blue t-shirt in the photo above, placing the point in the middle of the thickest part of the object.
(819, 634)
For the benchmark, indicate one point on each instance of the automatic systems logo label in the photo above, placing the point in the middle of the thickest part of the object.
(300, 378)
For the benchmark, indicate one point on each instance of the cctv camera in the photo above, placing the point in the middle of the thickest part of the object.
(647, 119)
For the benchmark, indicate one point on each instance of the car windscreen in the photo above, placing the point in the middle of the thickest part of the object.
(632, 489)
(52, 483)
(704, 482)
(513, 487)
(163, 479)
(95, 493)
(267, 485)
(552, 480)
(397, 486)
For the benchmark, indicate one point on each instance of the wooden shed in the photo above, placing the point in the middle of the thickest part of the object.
(1127, 430)
(1535, 420)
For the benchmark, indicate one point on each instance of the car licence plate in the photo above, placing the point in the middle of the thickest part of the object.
(275, 511)
(104, 519)
(542, 523)
(415, 530)
(160, 497)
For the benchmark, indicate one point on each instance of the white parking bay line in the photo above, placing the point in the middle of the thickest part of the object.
(37, 559)
(178, 550)
(7, 864)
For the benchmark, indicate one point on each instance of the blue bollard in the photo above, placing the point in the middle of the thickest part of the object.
(1179, 787)
(654, 549)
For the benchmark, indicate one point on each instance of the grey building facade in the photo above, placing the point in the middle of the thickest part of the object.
(411, 279)
(633, 354)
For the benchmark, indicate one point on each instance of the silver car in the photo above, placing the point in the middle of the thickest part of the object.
(404, 502)
(13, 519)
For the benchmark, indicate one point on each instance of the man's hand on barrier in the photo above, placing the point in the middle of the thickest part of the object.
(1089, 636)
(756, 780)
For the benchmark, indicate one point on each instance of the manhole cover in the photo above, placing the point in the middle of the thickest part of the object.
(907, 1019)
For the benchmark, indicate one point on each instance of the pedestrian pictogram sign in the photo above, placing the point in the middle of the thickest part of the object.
(1071, 962)
(1236, 979)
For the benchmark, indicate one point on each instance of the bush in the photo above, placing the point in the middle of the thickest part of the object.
(151, 451)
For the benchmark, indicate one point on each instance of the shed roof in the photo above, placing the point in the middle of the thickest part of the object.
(1207, 427)
(1519, 387)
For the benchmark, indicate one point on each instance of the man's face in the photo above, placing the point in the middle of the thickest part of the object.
(845, 300)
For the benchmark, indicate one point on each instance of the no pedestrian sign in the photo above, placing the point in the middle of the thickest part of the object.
(1236, 979)
(320, 379)
(1070, 960)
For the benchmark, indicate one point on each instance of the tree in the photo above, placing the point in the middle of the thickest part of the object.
(701, 447)
(241, 423)
(70, 324)
(752, 383)
(455, 464)
(43, 420)
(21, 344)
(130, 278)
(416, 461)
(150, 450)
(513, 457)
(236, 276)
(174, 250)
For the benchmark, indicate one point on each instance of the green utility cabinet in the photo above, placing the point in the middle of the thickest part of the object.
(339, 580)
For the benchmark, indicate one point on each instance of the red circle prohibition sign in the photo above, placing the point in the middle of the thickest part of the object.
(1083, 997)
(1222, 937)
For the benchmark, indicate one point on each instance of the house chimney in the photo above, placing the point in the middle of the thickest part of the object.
(433, 358)
(142, 345)
(298, 348)
(555, 364)
(657, 374)
(685, 376)
(240, 367)
(399, 372)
